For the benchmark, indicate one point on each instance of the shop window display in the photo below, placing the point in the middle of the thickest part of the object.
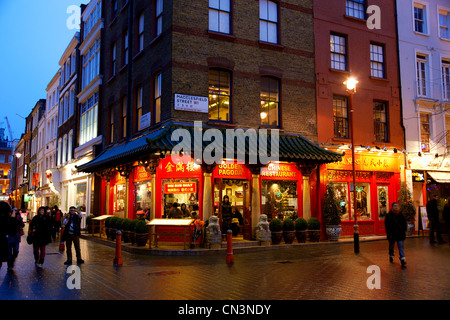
(279, 199)
(120, 199)
(179, 192)
(80, 201)
(383, 201)
(143, 195)
(362, 201)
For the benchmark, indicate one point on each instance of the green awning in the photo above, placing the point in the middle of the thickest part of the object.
(292, 147)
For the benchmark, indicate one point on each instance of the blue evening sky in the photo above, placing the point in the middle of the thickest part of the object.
(33, 37)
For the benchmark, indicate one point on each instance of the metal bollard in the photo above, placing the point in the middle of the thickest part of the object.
(118, 261)
(230, 256)
(62, 247)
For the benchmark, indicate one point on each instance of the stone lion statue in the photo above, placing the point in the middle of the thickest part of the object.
(262, 229)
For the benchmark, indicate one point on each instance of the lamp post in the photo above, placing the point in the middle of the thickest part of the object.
(18, 155)
(351, 90)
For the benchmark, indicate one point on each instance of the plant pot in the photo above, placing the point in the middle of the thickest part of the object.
(288, 236)
(126, 236)
(108, 232)
(141, 239)
(277, 236)
(314, 235)
(333, 232)
(410, 229)
(112, 234)
(132, 237)
(301, 236)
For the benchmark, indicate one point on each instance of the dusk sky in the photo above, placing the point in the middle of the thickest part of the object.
(33, 38)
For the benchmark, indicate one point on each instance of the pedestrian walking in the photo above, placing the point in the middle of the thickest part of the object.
(15, 232)
(71, 234)
(5, 210)
(56, 219)
(395, 224)
(433, 218)
(41, 230)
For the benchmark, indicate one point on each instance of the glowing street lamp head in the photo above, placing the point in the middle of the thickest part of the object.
(351, 84)
(18, 155)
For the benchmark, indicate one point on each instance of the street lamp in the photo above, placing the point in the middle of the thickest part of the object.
(351, 90)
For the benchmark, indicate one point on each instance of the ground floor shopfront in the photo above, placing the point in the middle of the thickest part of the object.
(276, 190)
(142, 175)
(378, 180)
(428, 175)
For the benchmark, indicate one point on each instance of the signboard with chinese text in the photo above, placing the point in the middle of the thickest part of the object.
(169, 169)
(180, 187)
(366, 162)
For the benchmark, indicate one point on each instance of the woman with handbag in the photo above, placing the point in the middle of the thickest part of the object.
(41, 231)
(5, 210)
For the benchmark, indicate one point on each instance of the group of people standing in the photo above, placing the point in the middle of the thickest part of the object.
(44, 227)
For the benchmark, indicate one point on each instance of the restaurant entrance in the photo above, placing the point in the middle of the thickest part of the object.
(238, 192)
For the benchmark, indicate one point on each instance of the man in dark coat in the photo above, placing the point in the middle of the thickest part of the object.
(395, 223)
(5, 211)
(433, 217)
(72, 232)
(227, 215)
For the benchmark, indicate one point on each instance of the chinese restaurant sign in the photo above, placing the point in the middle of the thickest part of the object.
(179, 169)
(368, 163)
(279, 170)
(181, 187)
(230, 170)
(140, 174)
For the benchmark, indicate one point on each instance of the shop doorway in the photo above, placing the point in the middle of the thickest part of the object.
(238, 192)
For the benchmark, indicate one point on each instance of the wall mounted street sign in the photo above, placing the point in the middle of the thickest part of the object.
(191, 103)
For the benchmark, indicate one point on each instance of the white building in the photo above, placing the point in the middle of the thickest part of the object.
(424, 53)
(50, 123)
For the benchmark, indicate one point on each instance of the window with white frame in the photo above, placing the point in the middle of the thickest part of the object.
(445, 79)
(91, 64)
(425, 132)
(356, 8)
(338, 48)
(69, 146)
(64, 150)
(420, 16)
(219, 16)
(421, 78)
(268, 21)
(444, 24)
(93, 18)
(377, 61)
(88, 120)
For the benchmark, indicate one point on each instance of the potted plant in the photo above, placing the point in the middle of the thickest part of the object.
(407, 207)
(108, 227)
(288, 231)
(276, 227)
(314, 229)
(132, 232)
(113, 227)
(332, 214)
(300, 229)
(141, 233)
(126, 225)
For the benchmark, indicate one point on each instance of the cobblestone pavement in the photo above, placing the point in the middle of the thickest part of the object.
(307, 272)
